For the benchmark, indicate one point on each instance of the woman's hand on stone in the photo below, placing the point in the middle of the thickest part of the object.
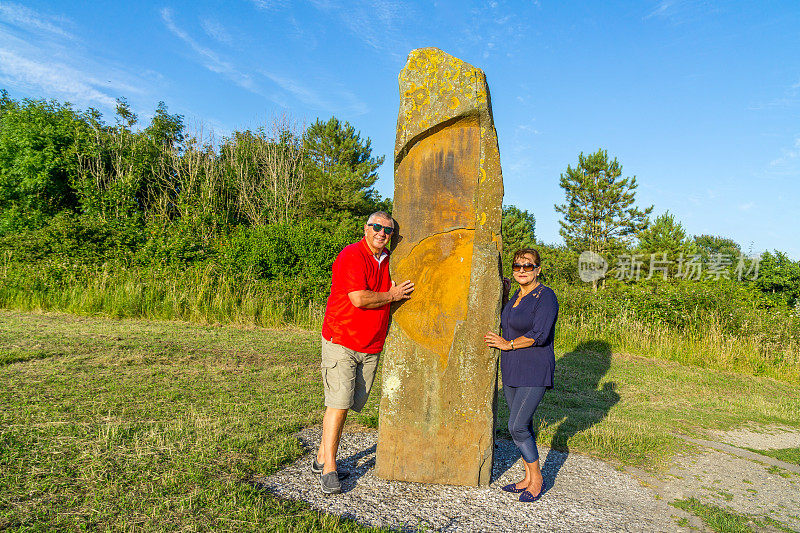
(493, 340)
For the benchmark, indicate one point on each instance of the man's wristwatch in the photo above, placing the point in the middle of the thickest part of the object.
(512, 344)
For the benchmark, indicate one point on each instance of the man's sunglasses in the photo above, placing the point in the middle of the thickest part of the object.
(377, 227)
(527, 267)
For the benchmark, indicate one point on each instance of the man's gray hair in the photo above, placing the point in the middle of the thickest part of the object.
(379, 214)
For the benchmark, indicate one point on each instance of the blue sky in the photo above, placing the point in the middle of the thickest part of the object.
(699, 100)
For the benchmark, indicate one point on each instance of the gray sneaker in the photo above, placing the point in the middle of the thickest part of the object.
(316, 468)
(330, 483)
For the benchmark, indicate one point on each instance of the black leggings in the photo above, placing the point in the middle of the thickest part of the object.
(522, 402)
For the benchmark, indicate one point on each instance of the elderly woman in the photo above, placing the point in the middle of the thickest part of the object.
(527, 361)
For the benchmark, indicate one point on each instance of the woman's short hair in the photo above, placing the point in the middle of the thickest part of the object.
(528, 251)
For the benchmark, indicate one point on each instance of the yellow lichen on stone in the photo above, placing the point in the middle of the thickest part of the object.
(483, 218)
(498, 241)
(454, 103)
(483, 172)
(442, 264)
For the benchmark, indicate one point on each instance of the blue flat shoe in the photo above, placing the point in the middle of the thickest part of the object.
(527, 497)
(512, 488)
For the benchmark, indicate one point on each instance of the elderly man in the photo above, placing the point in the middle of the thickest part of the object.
(353, 333)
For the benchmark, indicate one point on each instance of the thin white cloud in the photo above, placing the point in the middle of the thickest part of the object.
(484, 29)
(790, 98)
(40, 57)
(375, 22)
(790, 155)
(527, 128)
(26, 18)
(683, 11)
(661, 10)
(210, 59)
(216, 31)
(313, 99)
(52, 77)
(267, 4)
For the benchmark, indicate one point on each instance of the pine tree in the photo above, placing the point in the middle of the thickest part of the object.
(518, 230)
(339, 171)
(599, 213)
(665, 240)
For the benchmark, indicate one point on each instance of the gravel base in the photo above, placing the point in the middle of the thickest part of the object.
(583, 494)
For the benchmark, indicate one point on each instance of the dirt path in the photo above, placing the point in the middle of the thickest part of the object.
(731, 477)
(584, 494)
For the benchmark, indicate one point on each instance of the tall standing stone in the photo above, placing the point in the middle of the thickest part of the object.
(439, 379)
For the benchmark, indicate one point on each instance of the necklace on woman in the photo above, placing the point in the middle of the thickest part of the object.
(522, 294)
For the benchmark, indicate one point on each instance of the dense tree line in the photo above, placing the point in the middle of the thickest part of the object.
(276, 203)
(270, 201)
(601, 216)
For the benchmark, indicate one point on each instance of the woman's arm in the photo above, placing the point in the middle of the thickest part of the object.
(543, 319)
(493, 340)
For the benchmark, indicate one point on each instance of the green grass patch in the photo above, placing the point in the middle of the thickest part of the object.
(787, 455)
(721, 326)
(10, 356)
(153, 425)
(717, 518)
(629, 408)
(778, 471)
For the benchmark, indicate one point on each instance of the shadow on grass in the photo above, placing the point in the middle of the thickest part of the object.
(576, 403)
(577, 399)
(8, 357)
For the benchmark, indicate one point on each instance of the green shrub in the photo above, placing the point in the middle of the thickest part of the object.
(286, 251)
(74, 239)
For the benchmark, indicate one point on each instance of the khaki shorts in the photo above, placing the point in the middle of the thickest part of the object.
(347, 376)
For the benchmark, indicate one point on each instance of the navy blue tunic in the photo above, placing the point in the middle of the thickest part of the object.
(534, 318)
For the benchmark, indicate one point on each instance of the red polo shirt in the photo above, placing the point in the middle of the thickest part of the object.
(362, 330)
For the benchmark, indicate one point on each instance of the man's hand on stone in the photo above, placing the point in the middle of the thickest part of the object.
(402, 291)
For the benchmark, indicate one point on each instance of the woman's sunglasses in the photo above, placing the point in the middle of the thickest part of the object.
(527, 267)
(377, 227)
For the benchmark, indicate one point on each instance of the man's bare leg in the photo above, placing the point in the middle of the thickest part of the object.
(332, 424)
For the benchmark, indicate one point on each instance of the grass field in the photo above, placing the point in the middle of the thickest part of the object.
(132, 424)
(766, 343)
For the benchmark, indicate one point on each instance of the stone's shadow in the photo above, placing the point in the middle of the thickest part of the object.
(356, 467)
(577, 400)
(352, 463)
(505, 456)
(396, 237)
(576, 403)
